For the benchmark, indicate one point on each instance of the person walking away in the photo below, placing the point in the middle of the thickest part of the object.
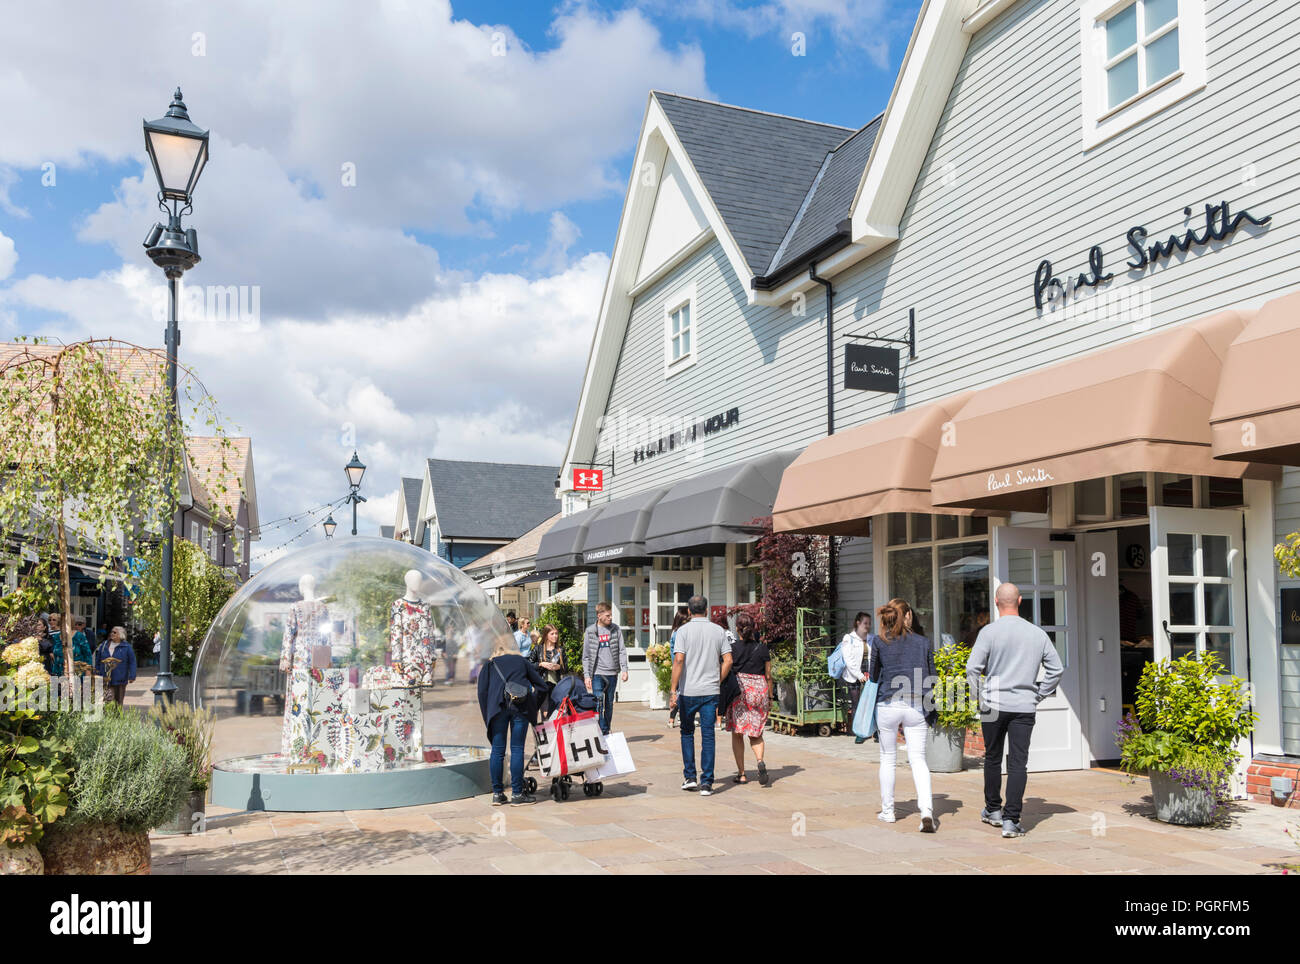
(701, 660)
(506, 718)
(856, 649)
(680, 619)
(747, 715)
(548, 656)
(523, 637)
(117, 679)
(603, 658)
(902, 664)
(1008, 653)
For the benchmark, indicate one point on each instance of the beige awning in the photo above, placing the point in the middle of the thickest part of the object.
(1256, 413)
(1140, 406)
(841, 481)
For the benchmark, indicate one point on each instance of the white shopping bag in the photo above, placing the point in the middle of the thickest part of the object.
(618, 760)
(582, 745)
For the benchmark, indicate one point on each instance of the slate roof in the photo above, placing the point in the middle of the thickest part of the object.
(757, 167)
(214, 465)
(522, 551)
(490, 500)
(386, 532)
(411, 496)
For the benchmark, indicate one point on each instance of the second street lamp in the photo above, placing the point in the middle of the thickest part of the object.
(354, 471)
(330, 525)
(178, 151)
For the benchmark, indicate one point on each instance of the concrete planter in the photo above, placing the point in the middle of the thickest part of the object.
(658, 699)
(190, 818)
(786, 697)
(24, 860)
(94, 849)
(943, 750)
(1178, 804)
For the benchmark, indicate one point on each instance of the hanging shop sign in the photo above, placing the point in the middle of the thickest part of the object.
(1220, 224)
(589, 480)
(687, 435)
(1291, 617)
(870, 368)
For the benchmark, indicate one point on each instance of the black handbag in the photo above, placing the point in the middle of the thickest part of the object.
(517, 693)
(728, 693)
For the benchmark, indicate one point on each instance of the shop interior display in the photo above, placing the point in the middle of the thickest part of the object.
(347, 657)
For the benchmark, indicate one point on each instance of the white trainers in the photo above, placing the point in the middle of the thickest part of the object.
(689, 784)
(927, 822)
(887, 816)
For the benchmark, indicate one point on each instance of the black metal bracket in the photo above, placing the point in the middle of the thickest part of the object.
(598, 465)
(909, 341)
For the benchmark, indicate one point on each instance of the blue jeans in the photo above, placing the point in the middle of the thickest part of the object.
(605, 688)
(707, 707)
(516, 727)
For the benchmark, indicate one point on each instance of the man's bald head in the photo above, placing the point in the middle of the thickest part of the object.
(1007, 598)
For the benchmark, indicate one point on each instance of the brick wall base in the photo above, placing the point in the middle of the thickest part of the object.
(974, 743)
(1258, 777)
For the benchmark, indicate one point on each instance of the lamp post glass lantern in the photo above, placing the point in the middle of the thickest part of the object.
(354, 471)
(178, 152)
(330, 525)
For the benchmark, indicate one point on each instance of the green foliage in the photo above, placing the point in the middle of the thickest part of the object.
(127, 772)
(1287, 554)
(783, 670)
(192, 730)
(660, 657)
(199, 589)
(34, 775)
(88, 425)
(367, 586)
(952, 697)
(563, 616)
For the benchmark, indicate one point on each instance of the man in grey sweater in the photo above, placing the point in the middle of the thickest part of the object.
(1009, 653)
(603, 657)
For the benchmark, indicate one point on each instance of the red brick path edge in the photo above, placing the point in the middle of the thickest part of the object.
(1261, 772)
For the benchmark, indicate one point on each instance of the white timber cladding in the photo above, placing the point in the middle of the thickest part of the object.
(681, 331)
(854, 590)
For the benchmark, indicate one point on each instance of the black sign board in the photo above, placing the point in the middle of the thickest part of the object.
(871, 368)
(1291, 617)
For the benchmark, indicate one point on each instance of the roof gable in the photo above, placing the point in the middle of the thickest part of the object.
(408, 506)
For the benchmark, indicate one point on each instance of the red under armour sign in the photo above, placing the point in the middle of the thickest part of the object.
(588, 480)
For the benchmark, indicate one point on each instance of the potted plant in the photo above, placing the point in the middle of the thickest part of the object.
(128, 777)
(957, 712)
(192, 730)
(1184, 736)
(783, 674)
(660, 657)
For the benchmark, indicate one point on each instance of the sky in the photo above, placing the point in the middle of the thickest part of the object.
(415, 201)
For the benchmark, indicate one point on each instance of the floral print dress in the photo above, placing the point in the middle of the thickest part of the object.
(301, 633)
(410, 638)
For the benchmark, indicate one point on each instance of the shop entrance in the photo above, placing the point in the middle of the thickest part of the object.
(1043, 565)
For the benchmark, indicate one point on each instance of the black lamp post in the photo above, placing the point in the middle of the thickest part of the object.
(178, 151)
(355, 470)
(329, 526)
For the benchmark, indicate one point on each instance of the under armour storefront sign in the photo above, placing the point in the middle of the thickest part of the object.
(588, 480)
(871, 368)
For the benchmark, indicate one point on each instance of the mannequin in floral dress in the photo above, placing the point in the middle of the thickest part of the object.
(410, 634)
(301, 632)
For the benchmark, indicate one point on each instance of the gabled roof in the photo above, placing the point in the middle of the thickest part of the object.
(408, 506)
(386, 532)
(757, 167)
(489, 500)
(517, 555)
(214, 466)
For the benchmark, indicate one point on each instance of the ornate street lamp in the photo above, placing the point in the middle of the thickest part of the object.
(354, 471)
(178, 151)
(330, 525)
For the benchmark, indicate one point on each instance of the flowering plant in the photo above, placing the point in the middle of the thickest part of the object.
(660, 656)
(31, 676)
(24, 651)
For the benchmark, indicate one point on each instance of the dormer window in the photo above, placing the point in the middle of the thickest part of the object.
(680, 331)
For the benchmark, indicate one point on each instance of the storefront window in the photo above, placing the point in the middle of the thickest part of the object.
(921, 528)
(1130, 496)
(1175, 490)
(912, 579)
(1090, 500)
(896, 529)
(963, 591)
(946, 526)
(1223, 493)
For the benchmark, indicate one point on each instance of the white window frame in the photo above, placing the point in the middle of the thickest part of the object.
(1102, 122)
(683, 297)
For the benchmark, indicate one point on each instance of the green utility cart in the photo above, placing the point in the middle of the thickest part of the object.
(818, 700)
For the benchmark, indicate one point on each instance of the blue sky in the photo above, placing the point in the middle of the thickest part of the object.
(485, 185)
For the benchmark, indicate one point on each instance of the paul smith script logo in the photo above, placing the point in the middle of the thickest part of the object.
(1032, 477)
(872, 369)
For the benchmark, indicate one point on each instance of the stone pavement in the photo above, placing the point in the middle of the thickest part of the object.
(818, 816)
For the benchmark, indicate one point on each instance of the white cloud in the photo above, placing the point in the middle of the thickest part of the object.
(8, 256)
(562, 234)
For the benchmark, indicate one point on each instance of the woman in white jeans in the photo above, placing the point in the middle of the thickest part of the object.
(903, 666)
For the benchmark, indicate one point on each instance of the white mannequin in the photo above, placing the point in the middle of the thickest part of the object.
(413, 580)
(307, 586)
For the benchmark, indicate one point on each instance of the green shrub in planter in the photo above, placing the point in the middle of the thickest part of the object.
(952, 698)
(192, 730)
(127, 772)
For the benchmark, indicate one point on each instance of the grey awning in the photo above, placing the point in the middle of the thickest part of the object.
(561, 546)
(617, 536)
(702, 515)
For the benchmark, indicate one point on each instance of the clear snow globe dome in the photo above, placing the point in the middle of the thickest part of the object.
(351, 655)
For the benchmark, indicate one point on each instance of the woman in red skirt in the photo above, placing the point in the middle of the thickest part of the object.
(747, 715)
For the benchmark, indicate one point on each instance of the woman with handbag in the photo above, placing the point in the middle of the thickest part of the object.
(507, 697)
(751, 664)
(856, 648)
(547, 655)
(902, 664)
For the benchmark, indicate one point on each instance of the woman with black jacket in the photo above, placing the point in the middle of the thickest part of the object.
(506, 718)
(903, 667)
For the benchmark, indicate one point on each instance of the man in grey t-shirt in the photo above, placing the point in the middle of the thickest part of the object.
(1010, 652)
(701, 661)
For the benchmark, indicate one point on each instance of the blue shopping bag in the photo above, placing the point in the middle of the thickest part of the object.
(835, 663)
(864, 717)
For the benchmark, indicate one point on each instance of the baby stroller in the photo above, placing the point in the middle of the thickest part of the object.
(571, 690)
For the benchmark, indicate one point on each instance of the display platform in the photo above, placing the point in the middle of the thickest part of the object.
(264, 782)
